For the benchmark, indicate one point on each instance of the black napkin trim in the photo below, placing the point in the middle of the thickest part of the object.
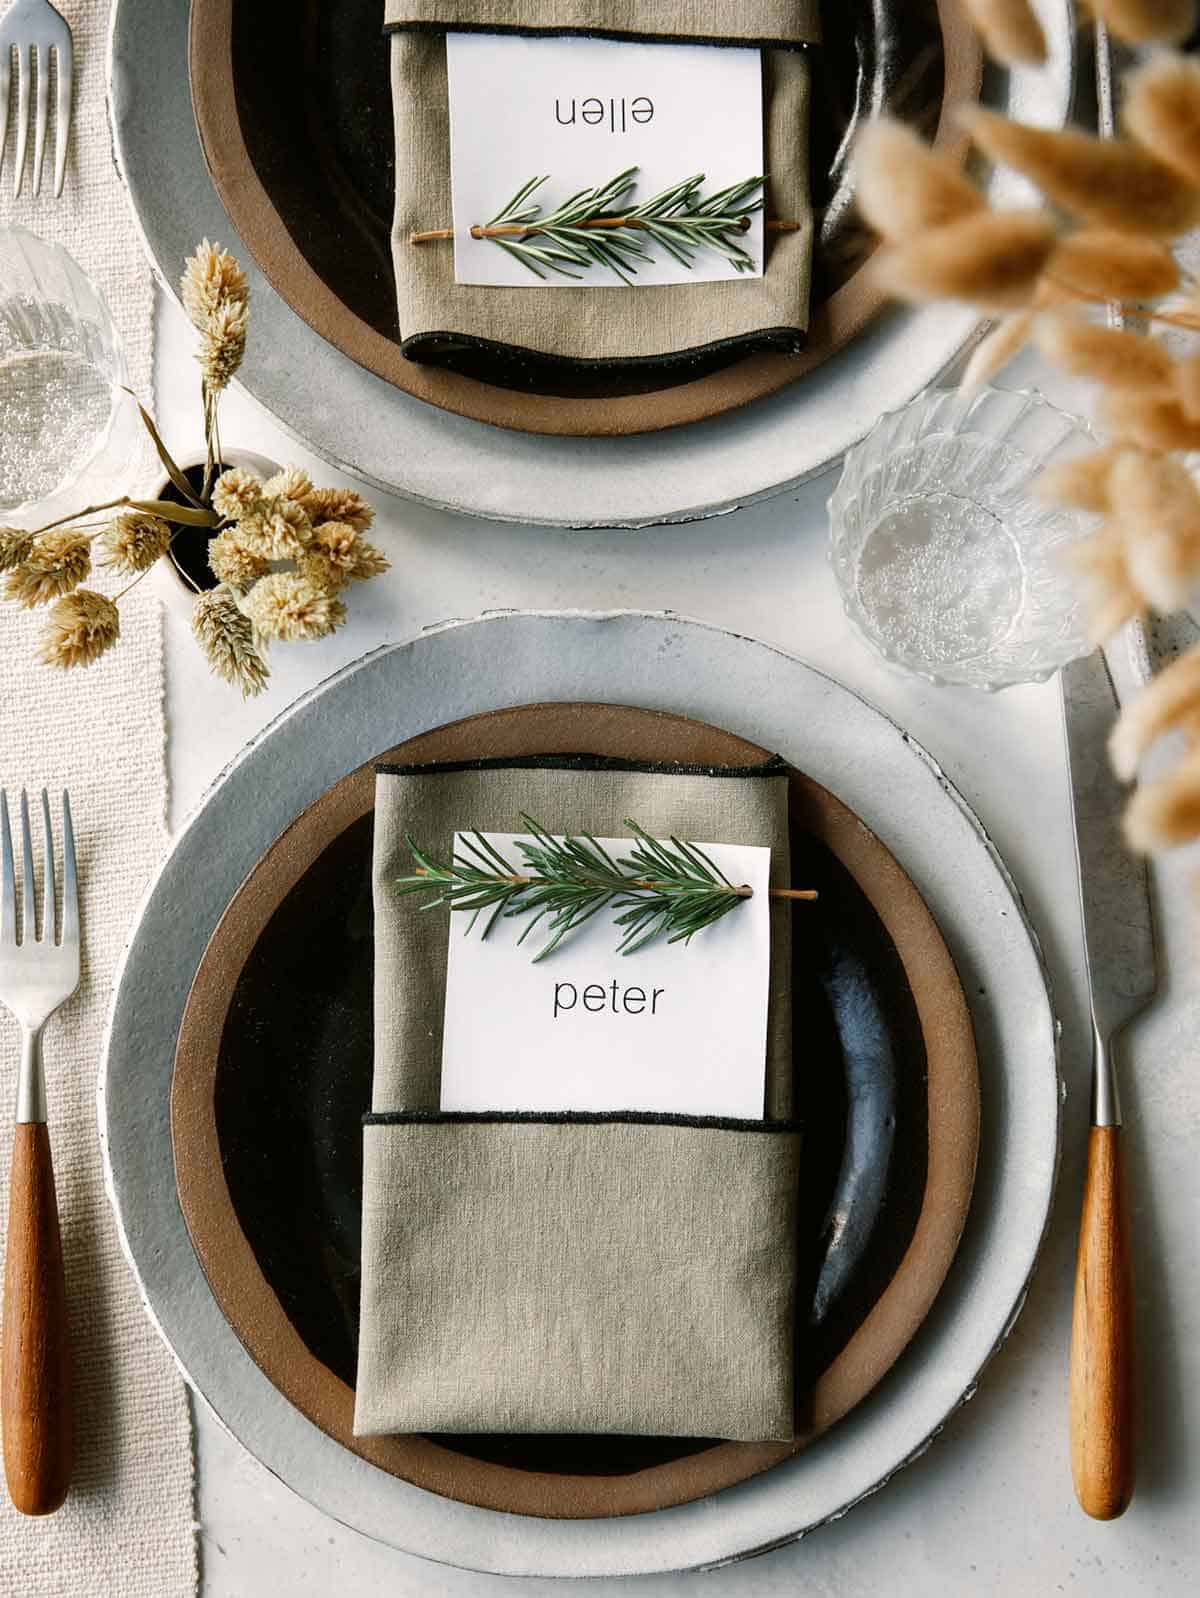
(775, 766)
(721, 1123)
(718, 42)
(535, 370)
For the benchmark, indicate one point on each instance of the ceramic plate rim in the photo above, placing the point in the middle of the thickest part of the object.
(662, 661)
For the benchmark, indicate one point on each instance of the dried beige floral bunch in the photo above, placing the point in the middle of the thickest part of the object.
(1050, 275)
(282, 551)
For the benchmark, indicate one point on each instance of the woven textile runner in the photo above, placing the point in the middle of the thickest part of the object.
(126, 1527)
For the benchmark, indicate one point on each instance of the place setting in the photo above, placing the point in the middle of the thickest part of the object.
(591, 1089)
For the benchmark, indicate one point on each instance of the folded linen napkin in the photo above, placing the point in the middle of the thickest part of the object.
(594, 329)
(628, 1273)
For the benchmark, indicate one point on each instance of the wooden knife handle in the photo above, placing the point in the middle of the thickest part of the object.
(1102, 1336)
(35, 1360)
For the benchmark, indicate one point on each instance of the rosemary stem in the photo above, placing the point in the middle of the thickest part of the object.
(744, 892)
(513, 230)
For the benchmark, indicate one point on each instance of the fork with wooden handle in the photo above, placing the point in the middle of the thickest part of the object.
(36, 975)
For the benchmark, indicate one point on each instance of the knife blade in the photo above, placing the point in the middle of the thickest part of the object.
(1119, 958)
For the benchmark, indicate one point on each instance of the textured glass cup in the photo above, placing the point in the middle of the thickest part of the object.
(64, 420)
(946, 563)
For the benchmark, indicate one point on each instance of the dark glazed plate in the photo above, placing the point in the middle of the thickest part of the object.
(273, 1073)
(293, 104)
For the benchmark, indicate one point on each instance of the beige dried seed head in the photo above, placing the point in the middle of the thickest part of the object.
(902, 186)
(1157, 505)
(279, 529)
(1106, 354)
(348, 551)
(1186, 386)
(289, 607)
(992, 260)
(79, 629)
(1147, 21)
(16, 546)
(292, 482)
(1163, 815)
(134, 541)
(58, 562)
(1112, 183)
(1010, 31)
(223, 344)
(233, 562)
(338, 505)
(211, 279)
(1111, 596)
(1169, 699)
(1113, 266)
(236, 493)
(226, 635)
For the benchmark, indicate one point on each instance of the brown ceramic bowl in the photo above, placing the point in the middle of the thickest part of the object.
(307, 179)
(272, 1074)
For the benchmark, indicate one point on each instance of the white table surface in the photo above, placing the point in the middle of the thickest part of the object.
(989, 1508)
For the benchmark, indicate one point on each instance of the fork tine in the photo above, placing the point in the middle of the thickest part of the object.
(8, 878)
(70, 889)
(41, 59)
(22, 118)
(48, 887)
(5, 92)
(64, 54)
(28, 898)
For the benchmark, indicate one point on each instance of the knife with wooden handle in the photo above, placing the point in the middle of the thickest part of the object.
(1118, 935)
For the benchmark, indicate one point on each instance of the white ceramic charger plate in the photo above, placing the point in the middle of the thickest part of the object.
(659, 662)
(368, 428)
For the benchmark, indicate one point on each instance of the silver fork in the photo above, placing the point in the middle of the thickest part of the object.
(36, 975)
(31, 29)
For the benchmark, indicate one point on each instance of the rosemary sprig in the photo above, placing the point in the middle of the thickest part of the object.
(599, 227)
(662, 890)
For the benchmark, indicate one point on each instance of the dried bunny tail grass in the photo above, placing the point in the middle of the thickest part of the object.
(236, 493)
(16, 546)
(338, 505)
(223, 345)
(1186, 386)
(1171, 697)
(1147, 21)
(288, 606)
(1151, 421)
(134, 541)
(1010, 32)
(1113, 266)
(992, 259)
(902, 186)
(1081, 483)
(1105, 354)
(232, 563)
(1161, 109)
(226, 635)
(58, 562)
(1112, 598)
(211, 279)
(1157, 505)
(79, 629)
(1162, 815)
(1111, 182)
(291, 482)
(1006, 339)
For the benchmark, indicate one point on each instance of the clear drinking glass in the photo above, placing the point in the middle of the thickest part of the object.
(64, 421)
(946, 562)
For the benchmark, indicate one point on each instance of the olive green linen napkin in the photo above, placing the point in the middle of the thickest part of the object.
(627, 1272)
(568, 329)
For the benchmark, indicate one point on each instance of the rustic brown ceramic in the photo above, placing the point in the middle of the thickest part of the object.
(320, 236)
(576, 1477)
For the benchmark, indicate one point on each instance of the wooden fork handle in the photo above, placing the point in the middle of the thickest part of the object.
(1102, 1454)
(35, 1360)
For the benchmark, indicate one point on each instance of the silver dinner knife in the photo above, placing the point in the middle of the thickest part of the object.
(1118, 933)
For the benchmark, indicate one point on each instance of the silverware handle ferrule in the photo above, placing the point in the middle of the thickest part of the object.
(31, 1080)
(1106, 1100)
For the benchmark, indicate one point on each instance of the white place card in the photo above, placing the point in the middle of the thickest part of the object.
(582, 110)
(674, 1028)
